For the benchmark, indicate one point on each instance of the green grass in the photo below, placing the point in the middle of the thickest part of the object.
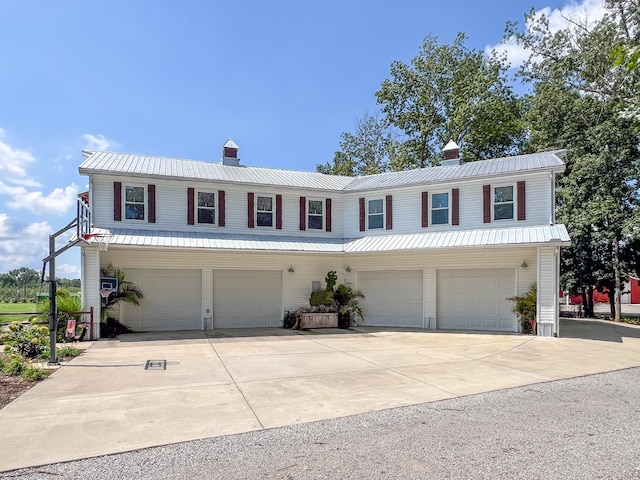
(16, 308)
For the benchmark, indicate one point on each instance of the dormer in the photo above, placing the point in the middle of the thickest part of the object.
(230, 154)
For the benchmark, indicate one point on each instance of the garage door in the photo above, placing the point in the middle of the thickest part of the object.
(247, 298)
(392, 297)
(475, 299)
(172, 300)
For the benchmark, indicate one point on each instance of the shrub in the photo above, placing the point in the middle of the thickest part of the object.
(13, 365)
(26, 341)
(34, 373)
(69, 351)
(525, 308)
(321, 297)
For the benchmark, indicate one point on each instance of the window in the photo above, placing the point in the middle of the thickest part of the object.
(206, 207)
(440, 209)
(134, 203)
(375, 214)
(503, 203)
(264, 211)
(315, 217)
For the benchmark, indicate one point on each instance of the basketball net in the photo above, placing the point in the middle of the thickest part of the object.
(101, 239)
(105, 292)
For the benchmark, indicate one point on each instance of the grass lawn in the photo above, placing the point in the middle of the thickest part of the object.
(16, 308)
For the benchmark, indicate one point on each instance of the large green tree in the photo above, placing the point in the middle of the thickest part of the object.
(450, 92)
(578, 103)
(364, 152)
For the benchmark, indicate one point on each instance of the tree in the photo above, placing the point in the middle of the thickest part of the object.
(23, 278)
(451, 92)
(577, 103)
(365, 152)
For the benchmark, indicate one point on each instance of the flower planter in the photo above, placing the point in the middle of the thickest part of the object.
(319, 320)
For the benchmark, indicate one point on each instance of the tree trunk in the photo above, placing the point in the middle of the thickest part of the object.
(588, 307)
(618, 281)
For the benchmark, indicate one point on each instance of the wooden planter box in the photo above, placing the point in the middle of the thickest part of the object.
(319, 320)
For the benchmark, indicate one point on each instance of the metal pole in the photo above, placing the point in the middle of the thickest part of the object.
(53, 317)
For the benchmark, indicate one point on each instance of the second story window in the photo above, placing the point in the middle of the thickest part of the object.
(264, 211)
(375, 214)
(206, 207)
(503, 203)
(134, 203)
(440, 209)
(315, 217)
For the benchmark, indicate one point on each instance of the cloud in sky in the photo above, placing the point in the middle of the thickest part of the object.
(589, 10)
(22, 245)
(97, 142)
(16, 183)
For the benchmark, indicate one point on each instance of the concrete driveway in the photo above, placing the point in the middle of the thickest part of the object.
(233, 381)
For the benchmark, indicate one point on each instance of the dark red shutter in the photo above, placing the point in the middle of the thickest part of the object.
(152, 203)
(250, 210)
(425, 209)
(486, 203)
(303, 213)
(117, 201)
(279, 212)
(362, 215)
(389, 212)
(221, 208)
(455, 206)
(328, 219)
(522, 201)
(190, 207)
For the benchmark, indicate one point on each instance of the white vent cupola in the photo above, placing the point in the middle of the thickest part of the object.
(451, 154)
(230, 154)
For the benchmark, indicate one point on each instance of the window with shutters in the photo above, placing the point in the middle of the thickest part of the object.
(264, 211)
(503, 204)
(206, 208)
(440, 208)
(134, 202)
(375, 214)
(315, 215)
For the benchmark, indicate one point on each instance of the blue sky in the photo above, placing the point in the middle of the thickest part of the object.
(177, 78)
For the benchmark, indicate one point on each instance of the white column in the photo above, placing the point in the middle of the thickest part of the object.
(91, 285)
(548, 284)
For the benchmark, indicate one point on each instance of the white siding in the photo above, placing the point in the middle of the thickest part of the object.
(171, 207)
(429, 300)
(407, 206)
(548, 290)
(91, 285)
(394, 298)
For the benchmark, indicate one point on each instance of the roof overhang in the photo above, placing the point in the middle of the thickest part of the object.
(546, 235)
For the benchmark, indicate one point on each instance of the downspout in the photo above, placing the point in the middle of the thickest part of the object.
(552, 213)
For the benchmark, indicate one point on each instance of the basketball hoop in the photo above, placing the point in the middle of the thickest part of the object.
(105, 292)
(100, 238)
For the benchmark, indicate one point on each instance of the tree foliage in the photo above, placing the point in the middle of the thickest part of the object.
(451, 92)
(577, 103)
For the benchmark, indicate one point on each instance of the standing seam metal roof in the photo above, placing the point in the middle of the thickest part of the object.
(146, 165)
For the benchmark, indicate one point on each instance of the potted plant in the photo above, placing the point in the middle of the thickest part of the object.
(525, 308)
(347, 302)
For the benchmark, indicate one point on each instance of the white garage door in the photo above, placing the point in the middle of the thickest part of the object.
(392, 297)
(172, 300)
(247, 298)
(475, 299)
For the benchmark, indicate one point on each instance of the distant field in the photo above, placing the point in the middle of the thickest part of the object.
(16, 308)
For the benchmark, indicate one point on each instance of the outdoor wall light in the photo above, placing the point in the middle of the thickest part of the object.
(524, 264)
(291, 270)
(348, 269)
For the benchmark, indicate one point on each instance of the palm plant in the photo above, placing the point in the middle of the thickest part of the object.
(347, 301)
(128, 292)
(525, 308)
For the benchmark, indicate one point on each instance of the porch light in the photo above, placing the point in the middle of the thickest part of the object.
(291, 270)
(524, 264)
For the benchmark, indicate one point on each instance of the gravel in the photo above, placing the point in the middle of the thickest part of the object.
(582, 428)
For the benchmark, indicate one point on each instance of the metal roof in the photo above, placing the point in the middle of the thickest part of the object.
(467, 171)
(147, 165)
(536, 235)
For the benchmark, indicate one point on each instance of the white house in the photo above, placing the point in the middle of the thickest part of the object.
(221, 245)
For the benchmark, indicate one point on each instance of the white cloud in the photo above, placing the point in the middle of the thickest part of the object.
(22, 245)
(67, 270)
(97, 142)
(58, 202)
(589, 10)
(13, 161)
